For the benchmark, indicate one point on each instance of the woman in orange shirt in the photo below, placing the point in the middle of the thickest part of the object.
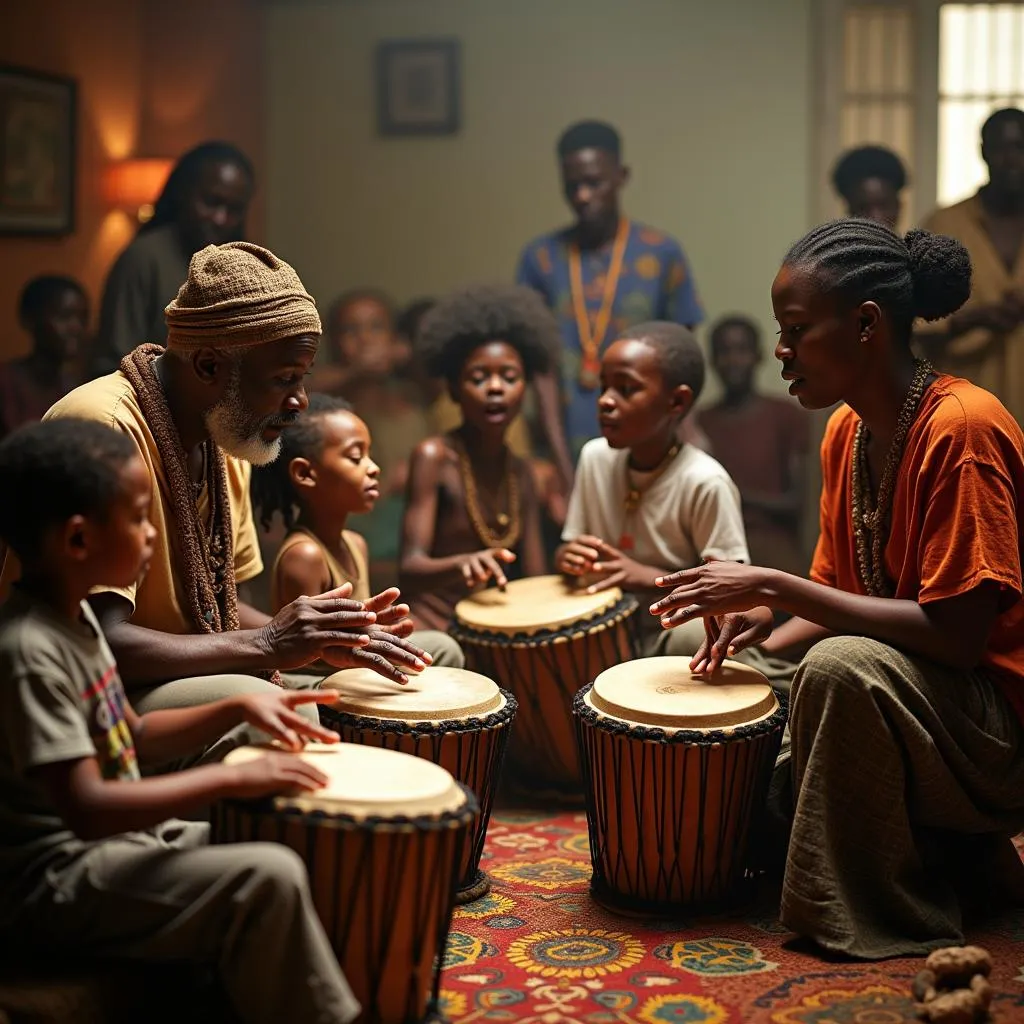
(906, 715)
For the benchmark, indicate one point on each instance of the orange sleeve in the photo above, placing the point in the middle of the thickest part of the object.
(823, 563)
(969, 533)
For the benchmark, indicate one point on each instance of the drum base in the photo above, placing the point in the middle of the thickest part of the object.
(631, 906)
(479, 885)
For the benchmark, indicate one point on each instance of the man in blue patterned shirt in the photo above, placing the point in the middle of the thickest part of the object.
(600, 275)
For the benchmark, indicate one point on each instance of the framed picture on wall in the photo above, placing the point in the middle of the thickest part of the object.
(37, 153)
(418, 87)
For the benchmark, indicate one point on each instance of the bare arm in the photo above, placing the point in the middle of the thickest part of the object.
(95, 808)
(331, 626)
(793, 638)
(148, 656)
(250, 617)
(952, 632)
(549, 401)
(301, 572)
(419, 523)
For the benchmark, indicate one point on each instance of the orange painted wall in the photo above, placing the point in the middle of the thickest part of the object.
(154, 77)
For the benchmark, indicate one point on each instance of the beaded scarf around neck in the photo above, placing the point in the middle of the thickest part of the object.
(208, 565)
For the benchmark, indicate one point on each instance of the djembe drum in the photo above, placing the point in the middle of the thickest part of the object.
(457, 719)
(676, 767)
(383, 843)
(543, 640)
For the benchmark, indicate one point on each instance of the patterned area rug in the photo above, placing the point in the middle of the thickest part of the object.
(537, 949)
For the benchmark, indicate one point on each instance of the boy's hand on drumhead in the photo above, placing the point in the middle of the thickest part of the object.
(620, 571)
(726, 636)
(577, 557)
(297, 634)
(272, 774)
(489, 564)
(386, 654)
(274, 714)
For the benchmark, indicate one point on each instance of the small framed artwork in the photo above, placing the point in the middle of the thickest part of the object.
(418, 87)
(37, 153)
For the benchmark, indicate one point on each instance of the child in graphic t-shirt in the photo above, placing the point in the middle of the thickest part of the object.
(92, 854)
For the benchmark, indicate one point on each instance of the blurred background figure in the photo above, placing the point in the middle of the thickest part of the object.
(984, 340)
(204, 202)
(54, 311)
(762, 442)
(870, 179)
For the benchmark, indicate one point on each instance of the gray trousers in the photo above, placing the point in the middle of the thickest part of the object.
(892, 756)
(165, 894)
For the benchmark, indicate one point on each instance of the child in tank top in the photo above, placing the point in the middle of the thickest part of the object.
(323, 475)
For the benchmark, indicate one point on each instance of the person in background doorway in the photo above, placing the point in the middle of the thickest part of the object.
(869, 180)
(601, 275)
(54, 311)
(204, 202)
(984, 340)
(762, 442)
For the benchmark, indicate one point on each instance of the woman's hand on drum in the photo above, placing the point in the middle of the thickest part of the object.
(272, 774)
(482, 566)
(577, 557)
(713, 588)
(727, 635)
(274, 713)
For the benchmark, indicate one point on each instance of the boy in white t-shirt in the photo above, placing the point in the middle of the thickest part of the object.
(644, 504)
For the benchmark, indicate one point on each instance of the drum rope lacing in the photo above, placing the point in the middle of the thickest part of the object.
(493, 653)
(653, 756)
(482, 778)
(429, 899)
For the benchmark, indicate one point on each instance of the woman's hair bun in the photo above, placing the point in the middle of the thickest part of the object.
(941, 271)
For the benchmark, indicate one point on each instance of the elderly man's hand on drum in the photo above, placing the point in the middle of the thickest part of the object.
(345, 634)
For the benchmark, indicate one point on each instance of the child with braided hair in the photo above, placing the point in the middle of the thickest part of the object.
(324, 475)
(907, 714)
(472, 511)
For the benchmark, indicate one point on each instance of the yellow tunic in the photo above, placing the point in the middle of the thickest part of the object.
(336, 572)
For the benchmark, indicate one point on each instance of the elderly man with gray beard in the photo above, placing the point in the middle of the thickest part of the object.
(242, 335)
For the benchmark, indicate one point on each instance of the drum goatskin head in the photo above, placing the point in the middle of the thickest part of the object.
(368, 782)
(533, 604)
(437, 693)
(663, 692)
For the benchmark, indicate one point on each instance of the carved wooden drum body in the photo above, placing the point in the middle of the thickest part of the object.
(543, 641)
(676, 767)
(455, 718)
(383, 844)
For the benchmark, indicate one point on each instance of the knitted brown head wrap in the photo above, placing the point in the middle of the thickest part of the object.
(238, 295)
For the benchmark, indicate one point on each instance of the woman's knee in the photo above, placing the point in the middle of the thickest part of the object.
(851, 665)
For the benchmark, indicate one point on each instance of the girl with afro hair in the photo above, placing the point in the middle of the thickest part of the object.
(472, 516)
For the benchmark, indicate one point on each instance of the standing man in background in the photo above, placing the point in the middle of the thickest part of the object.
(870, 180)
(984, 340)
(601, 275)
(204, 202)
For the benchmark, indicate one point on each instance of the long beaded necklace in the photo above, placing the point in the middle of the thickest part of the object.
(635, 495)
(871, 525)
(509, 521)
(592, 335)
